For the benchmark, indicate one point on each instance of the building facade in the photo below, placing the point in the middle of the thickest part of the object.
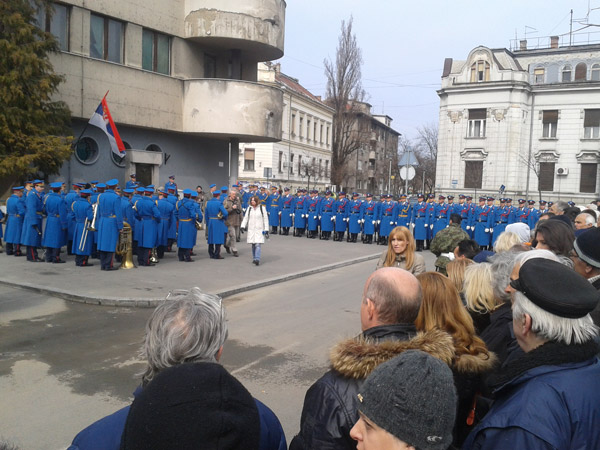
(527, 120)
(181, 83)
(303, 157)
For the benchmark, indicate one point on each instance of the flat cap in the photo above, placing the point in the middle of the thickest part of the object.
(587, 247)
(556, 288)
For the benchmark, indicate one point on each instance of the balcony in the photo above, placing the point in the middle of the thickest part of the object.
(225, 109)
(256, 27)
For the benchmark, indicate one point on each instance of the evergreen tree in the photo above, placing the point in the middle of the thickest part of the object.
(34, 130)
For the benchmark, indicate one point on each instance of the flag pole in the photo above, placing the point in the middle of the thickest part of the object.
(74, 144)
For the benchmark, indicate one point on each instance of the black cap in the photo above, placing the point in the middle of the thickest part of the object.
(587, 247)
(556, 288)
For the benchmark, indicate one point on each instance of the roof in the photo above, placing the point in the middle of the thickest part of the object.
(294, 85)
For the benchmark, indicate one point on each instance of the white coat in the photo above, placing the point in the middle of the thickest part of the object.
(256, 223)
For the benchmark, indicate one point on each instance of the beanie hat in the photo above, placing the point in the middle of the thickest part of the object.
(587, 247)
(412, 397)
(191, 406)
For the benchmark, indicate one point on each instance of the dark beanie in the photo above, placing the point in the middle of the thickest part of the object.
(587, 247)
(192, 406)
(412, 397)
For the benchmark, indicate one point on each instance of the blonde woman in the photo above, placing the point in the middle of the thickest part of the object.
(506, 241)
(456, 272)
(479, 295)
(401, 252)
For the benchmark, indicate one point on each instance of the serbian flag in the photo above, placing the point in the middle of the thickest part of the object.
(103, 120)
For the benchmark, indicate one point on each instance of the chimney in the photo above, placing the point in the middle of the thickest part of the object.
(277, 67)
(553, 41)
(523, 44)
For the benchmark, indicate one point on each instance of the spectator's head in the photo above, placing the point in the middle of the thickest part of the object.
(584, 221)
(400, 242)
(479, 289)
(390, 296)
(546, 215)
(193, 405)
(455, 218)
(395, 405)
(559, 207)
(551, 303)
(456, 272)
(466, 249)
(502, 266)
(190, 326)
(586, 254)
(506, 241)
(592, 212)
(556, 236)
(520, 229)
(572, 212)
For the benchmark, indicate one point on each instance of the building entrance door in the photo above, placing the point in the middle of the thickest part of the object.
(143, 173)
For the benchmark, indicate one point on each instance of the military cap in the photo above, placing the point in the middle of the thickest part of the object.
(402, 195)
(468, 197)
(18, 188)
(482, 198)
(112, 182)
(128, 191)
(327, 192)
(224, 189)
(369, 195)
(461, 196)
(29, 182)
(419, 195)
(531, 202)
(550, 203)
(543, 202)
(149, 190)
(342, 193)
(187, 191)
(264, 187)
(151, 186)
(216, 193)
(101, 185)
(571, 203)
(194, 194)
(441, 197)
(508, 200)
(132, 175)
(86, 192)
(502, 200)
(140, 189)
(37, 181)
(171, 177)
(286, 189)
(451, 197)
(587, 247)
(214, 185)
(490, 199)
(56, 185)
(521, 200)
(431, 196)
(551, 286)
(94, 182)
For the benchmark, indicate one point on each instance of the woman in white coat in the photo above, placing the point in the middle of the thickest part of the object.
(256, 223)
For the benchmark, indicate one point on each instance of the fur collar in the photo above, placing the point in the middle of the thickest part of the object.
(358, 357)
(477, 364)
(548, 354)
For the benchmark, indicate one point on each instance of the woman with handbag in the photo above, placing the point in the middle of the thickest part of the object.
(256, 223)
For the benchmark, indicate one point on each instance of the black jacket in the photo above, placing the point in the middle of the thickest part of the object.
(330, 405)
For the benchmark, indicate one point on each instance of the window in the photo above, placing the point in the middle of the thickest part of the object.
(210, 66)
(538, 75)
(293, 124)
(566, 74)
(546, 176)
(308, 129)
(292, 164)
(106, 39)
(327, 137)
(155, 52)
(301, 125)
(359, 165)
(57, 23)
(280, 164)
(591, 124)
(326, 167)
(549, 123)
(596, 72)
(480, 71)
(320, 167)
(473, 174)
(300, 165)
(321, 134)
(315, 132)
(589, 172)
(86, 151)
(476, 125)
(581, 72)
(249, 159)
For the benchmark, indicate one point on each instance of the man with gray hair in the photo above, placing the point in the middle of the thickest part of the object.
(390, 303)
(548, 398)
(559, 207)
(190, 326)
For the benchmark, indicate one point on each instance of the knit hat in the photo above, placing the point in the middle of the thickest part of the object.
(587, 247)
(191, 406)
(520, 229)
(412, 397)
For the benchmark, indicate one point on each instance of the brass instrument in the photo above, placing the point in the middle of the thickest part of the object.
(125, 247)
(220, 215)
(154, 257)
(199, 225)
(92, 227)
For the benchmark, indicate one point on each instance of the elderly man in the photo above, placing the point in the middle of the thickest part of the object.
(390, 303)
(584, 221)
(189, 327)
(586, 259)
(559, 207)
(548, 398)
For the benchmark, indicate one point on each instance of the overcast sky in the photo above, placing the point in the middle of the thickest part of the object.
(404, 43)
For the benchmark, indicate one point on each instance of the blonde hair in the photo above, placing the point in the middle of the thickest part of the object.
(479, 290)
(456, 272)
(403, 234)
(506, 241)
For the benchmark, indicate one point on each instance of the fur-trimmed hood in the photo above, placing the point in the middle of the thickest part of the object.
(475, 364)
(356, 358)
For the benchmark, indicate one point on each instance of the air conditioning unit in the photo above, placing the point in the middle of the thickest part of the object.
(562, 171)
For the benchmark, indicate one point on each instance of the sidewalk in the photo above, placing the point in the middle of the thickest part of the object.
(283, 258)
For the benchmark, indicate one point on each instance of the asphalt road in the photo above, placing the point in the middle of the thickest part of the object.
(64, 365)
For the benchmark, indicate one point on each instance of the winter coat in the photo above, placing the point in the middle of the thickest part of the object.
(256, 220)
(417, 267)
(499, 336)
(330, 405)
(235, 214)
(547, 398)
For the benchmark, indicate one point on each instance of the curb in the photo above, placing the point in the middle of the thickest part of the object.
(150, 303)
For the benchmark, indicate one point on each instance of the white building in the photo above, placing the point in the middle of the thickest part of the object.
(303, 157)
(181, 76)
(527, 119)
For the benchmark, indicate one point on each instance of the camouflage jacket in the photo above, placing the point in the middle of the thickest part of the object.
(445, 242)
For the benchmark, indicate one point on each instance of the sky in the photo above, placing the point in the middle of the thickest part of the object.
(404, 43)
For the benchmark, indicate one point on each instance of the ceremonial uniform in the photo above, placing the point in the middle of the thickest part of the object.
(69, 199)
(403, 213)
(286, 212)
(313, 211)
(354, 218)
(440, 217)
(131, 184)
(480, 223)
(31, 234)
(370, 215)
(326, 216)
(274, 208)
(171, 185)
(522, 213)
(299, 205)
(463, 210)
(82, 247)
(56, 224)
(533, 215)
(15, 210)
(147, 228)
(262, 196)
(430, 210)
(216, 227)
(340, 208)
(386, 219)
(500, 219)
(109, 222)
(167, 217)
(186, 236)
(172, 233)
(419, 221)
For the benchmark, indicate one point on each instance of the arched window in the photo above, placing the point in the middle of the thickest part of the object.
(596, 72)
(581, 72)
(566, 74)
(480, 71)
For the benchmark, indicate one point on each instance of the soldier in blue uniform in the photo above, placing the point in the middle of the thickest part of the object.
(480, 224)
(109, 222)
(127, 212)
(522, 213)
(15, 211)
(403, 212)
(419, 222)
(263, 195)
(451, 206)
(274, 208)
(188, 213)
(440, 216)
(369, 215)
(216, 226)
(135, 227)
(82, 211)
(430, 209)
(132, 183)
(387, 218)
(149, 216)
(69, 199)
(286, 211)
(326, 216)
(312, 212)
(299, 206)
(31, 234)
(500, 219)
(171, 184)
(224, 193)
(463, 210)
(167, 217)
(340, 208)
(172, 233)
(354, 217)
(55, 211)
(533, 214)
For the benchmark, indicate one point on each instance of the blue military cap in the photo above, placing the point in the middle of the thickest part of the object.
(286, 189)
(490, 199)
(112, 182)
(194, 194)
(187, 191)
(132, 175)
(451, 197)
(214, 185)
(128, 191)
(85, 192)
(327, 192)
(149, 189)
(531, 202)
(522, 200)
(140, 189)
(419, 195)
(18, 188)
(543, 202)
(56, 185)
(224, 189)
(570, 203)
(235, 186)
(216, 193)
(431, 196)
(171, 177)
(402, 195)
(502, 200)
(37, 181)
(482, 197)
(274, 187)
(94, 182)
(468, 197)
(461, 196)
(441, 197)
(508, 200)
(355, 194)
(550, 203)
(369, 194)
(29, 182)
(101, 185)
(342, 193)
(151, 186)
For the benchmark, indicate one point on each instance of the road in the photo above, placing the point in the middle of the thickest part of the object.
(64, 365)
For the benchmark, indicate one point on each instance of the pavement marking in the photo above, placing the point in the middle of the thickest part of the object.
(262, 358)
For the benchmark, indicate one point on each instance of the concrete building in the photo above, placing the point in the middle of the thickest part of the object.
(181, 77)
(303, 157)
(527, 119)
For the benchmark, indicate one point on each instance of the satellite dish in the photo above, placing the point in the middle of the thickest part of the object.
(407, 173)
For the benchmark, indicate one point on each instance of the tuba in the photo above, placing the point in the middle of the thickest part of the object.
(125, 247)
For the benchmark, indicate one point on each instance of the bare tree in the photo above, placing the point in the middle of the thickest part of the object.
(426, 153)
(344, 90)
